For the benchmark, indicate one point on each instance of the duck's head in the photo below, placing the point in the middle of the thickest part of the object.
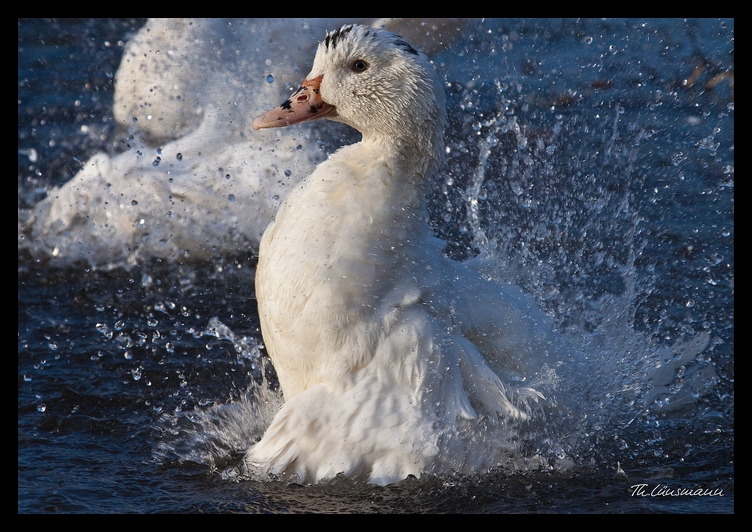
(372, 80)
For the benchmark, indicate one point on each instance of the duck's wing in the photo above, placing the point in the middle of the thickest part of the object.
(488, 338)
(505, 324)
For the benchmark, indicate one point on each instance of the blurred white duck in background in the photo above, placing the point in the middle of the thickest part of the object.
(189, 186)
(394, 360)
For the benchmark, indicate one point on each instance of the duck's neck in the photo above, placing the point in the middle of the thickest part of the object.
(414, 158)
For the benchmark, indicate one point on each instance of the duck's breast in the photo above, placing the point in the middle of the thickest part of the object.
(336, 249)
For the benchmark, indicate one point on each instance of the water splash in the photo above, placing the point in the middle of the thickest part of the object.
(566, 223)
(573, 235)
(216, 435)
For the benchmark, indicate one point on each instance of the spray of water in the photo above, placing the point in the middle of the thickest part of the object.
(562, 221)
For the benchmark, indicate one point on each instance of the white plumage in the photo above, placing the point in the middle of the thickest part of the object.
(393, 359)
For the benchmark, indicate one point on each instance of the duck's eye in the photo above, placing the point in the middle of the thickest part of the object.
(359, 65)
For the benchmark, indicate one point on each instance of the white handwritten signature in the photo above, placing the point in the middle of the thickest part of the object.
(660, 490)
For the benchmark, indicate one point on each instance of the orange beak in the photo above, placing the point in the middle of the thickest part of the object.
(303, 106)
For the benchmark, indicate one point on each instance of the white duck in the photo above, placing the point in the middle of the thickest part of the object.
(377, 337)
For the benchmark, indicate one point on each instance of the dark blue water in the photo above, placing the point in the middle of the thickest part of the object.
(609, 174)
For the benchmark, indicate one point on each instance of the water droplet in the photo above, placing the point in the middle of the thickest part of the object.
(269, 78)
(179, 156)
(708, 143)
(104, 329)
(231, 197)
(677, 158)
(41, 407)
(157, 161)
(288, 173)
(134, 202)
